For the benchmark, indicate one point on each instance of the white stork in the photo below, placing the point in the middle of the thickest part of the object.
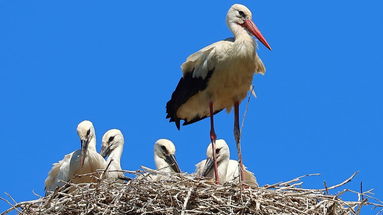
(205, 167)
(219, 76)
(112, 147)
(164, 156)
(83, 161)
(228, 170)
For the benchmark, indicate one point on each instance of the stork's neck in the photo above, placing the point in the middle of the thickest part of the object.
(116, 154)
(92, 144)
(222, 170)
(161, 164)
(243, 39)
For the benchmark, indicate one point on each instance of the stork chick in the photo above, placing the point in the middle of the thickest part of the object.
(82, 161)
(164, 156)
(112, 147)
(228, 170)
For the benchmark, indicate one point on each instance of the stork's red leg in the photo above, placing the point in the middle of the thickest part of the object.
(237, 135)
(213, 138)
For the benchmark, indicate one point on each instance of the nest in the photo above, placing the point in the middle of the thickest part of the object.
(185, 194)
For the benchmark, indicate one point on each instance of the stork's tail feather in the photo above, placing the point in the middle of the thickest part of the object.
(171, 113)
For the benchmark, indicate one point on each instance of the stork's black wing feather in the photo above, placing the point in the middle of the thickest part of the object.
(196, 119)
(187, 87)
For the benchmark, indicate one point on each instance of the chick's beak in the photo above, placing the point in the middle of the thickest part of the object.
(105, 151)
(84, 149)
(172, 161)
(208, 167)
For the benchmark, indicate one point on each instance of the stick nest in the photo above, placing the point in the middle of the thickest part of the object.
(184, 194)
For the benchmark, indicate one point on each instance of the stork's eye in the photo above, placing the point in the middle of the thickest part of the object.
(88, 132)
(111, 139)
(241, 13)
(217, 151)
(164, 149)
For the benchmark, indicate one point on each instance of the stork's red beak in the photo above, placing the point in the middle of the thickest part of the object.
(250, 26)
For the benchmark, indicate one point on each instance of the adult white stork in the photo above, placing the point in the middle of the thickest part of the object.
(218, 77)
(228, 170)
(112, 147)
(164, 156)
(83, 161)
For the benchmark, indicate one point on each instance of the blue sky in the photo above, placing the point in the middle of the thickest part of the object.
(116, 63)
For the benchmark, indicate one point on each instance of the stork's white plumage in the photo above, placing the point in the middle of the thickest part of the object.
(164, 156)
(58, 175)
(233, 174)
(219, 76)
(112, 147)
(228, 170)
(205, 167)
(83, 161)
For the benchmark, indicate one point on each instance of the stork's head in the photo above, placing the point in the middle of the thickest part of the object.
(85, 131)
(240, 16)
(111, 140)
(166, 150)
(222, 153)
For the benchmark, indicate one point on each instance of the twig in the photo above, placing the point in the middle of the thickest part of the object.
(246, 110)
(13, 207)
(186, 201)
(106, 169)
(291, 181)
(325, 186)
(343, 183)
(9, 196)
